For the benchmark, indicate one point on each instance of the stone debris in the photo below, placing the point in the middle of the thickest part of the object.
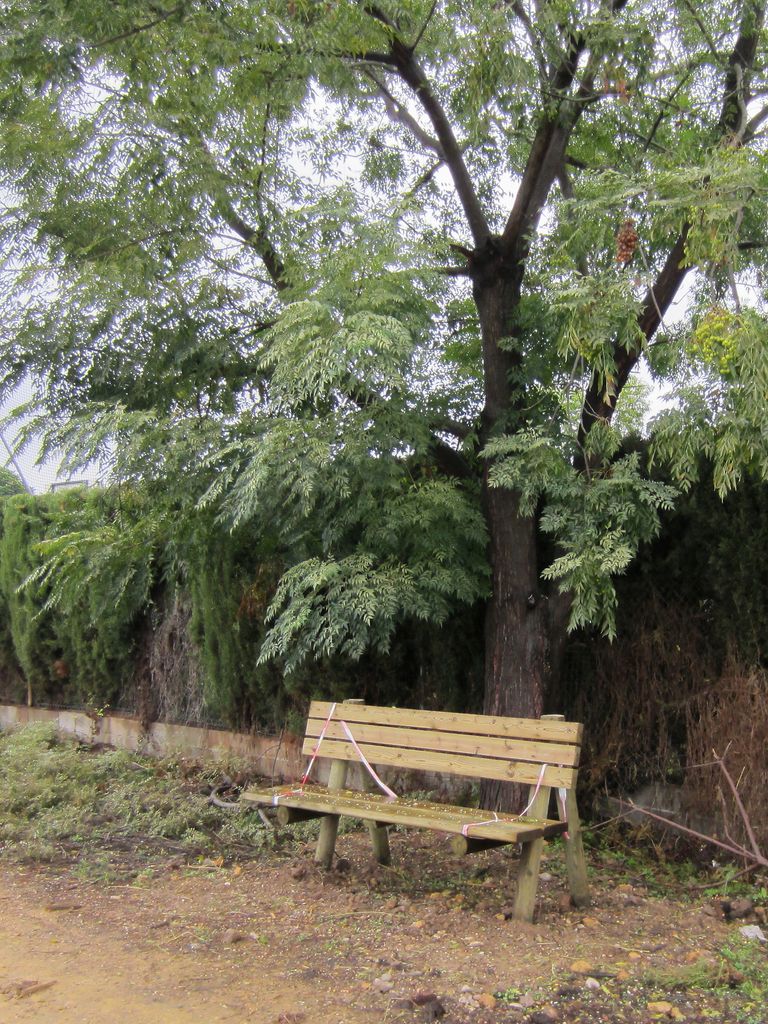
(422, 998)
(546, 1015)
(662, 1008)
(735, 909)
(433, 1010)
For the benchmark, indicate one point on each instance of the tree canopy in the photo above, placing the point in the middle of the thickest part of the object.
(378, 275)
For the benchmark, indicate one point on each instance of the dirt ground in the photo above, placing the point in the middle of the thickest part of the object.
(275, 941)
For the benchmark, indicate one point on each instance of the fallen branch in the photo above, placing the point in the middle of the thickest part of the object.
(754, 855)
(742, 810)
(735, 849)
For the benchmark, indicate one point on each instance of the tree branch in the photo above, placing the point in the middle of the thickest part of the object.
(401, 115)
(378, 15)
(567, 189)
(425, 178)
(425, 26)
(733, 114)
(164, 16)
(370, 57)
(663, 113)
(740, 805)
(256, 237)
(533, 39)
(449, 426)
(258, 240)
(754, 123)
(736, 849)
(598, 404)
(704, 31)
(450, 461)
(453, 271)
(401, 57)
(545, 158)
(412, 74)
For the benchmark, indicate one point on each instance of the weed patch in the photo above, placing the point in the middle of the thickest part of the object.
(739, 974)
(110, 812)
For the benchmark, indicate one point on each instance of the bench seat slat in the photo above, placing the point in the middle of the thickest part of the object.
(414, 813)
(452, 764)
(448, 742)
(448, 721)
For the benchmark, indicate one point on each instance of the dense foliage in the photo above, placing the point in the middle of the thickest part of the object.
(170, 623)
(85, 647)
(373, 278)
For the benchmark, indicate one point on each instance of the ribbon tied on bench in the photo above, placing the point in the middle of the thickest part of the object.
(390, 794)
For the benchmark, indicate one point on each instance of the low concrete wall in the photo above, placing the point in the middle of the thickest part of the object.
(272, 757)
(268, 755)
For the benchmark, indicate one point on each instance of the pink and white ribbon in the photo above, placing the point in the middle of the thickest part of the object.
(316, 749)
(562, 796)
(474, 824)
(492, 821)
(391, 795)
(539, 781)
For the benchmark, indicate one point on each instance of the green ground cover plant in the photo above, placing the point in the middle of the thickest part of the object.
(110, 812)
(740, 965)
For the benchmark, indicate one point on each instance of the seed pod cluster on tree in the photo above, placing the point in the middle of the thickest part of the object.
(626, 242)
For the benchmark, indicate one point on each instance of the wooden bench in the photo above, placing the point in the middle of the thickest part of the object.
(542, 753)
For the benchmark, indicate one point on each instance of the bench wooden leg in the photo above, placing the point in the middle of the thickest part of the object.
(528, 880)
(291, 815)
(530, 859)
(462, 846)
(329, 826)
(326, 843)
(575, 860)
(380, 842)
(377, 830)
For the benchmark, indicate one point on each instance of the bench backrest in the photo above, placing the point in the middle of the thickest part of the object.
(476, 746)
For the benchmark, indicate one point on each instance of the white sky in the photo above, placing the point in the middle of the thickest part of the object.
(37, 478)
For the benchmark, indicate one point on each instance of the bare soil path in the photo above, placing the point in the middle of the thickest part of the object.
(276, 942)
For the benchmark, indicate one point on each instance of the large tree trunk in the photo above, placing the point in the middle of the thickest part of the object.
(516, 628)
(516, 623)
